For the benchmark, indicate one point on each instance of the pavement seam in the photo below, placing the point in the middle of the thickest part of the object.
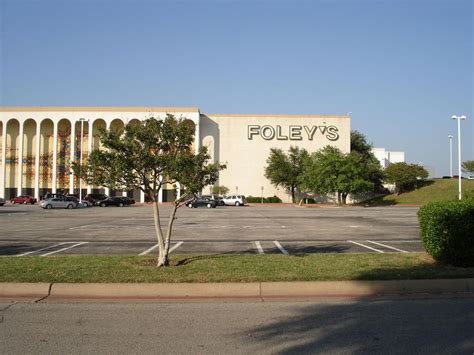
(49, 293)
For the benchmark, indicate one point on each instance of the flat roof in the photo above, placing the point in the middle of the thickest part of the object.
(96, 109)
(269, 115)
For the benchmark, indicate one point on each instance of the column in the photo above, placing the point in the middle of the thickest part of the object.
(20, 160)
(4, 159)
(160, 195)
(55, 155)
(197, 137)
(107, 127)
(73, 155)
(178, 190)
(90, 137)
(37, 158)
(142, 196)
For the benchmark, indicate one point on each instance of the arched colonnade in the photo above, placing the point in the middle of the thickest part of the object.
(36, 155)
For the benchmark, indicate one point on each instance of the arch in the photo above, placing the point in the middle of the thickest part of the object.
(29, 156)
(208, 142)
(63, 165)
(98, 125)
(117, 125)
(46, 156)
(81, 142)
(11, 162)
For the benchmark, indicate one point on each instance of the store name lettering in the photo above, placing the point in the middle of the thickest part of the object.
(292, 133)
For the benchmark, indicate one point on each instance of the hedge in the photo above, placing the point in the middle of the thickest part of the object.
(447, 231)
(273, 199)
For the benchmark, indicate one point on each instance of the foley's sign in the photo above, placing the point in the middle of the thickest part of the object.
(292, 133)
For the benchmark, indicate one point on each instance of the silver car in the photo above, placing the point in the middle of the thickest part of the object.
(235, 200)
(56, 202)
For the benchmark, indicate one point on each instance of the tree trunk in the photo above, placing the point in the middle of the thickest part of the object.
(162, 257)
(344, 198)
(293, 194)
(169, 231)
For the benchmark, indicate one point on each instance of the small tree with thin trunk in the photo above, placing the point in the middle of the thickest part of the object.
(149, 156)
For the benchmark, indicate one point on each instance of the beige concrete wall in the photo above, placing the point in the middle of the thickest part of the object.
(244, 143)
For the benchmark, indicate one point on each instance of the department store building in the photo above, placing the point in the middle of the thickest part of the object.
(38, 145)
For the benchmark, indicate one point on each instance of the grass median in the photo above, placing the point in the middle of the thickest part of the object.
(227, 268)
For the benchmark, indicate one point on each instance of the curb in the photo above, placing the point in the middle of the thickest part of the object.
(250, 291)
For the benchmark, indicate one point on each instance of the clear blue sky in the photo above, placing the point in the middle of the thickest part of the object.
(402, 67)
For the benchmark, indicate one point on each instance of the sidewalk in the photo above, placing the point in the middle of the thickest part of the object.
(233, 291)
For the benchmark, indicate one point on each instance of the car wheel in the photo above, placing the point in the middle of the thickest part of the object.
(209, 205)
(48, 207)
(120, 205)
(102, 205)
(237, 203)
(69, 206)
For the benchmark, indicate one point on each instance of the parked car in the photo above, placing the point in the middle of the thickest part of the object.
(95, 199)
(116, 201)
(2, 201)
(218, 199)
(235, 200)
(24, 199)
(57, 202)
(128, 200)
(470, 177)
(202, 201)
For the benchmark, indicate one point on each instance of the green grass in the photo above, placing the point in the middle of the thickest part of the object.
(434, 191)
(227, 268)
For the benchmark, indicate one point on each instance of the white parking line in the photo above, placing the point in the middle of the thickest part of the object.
(365, 246)
(387, 246)
(176, 246)
(278, 245)
(259, 247)
(149, 250)
(62, 249)
(46, 248)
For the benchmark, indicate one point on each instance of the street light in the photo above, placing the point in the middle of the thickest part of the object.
(450, 155)
(459, 118)
(82, 120)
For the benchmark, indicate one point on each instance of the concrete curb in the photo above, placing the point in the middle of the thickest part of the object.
(255, 290)
(26, 291)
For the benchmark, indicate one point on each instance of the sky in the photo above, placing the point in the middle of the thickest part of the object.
(401, 68)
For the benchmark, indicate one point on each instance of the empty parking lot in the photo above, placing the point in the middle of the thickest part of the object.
(30, 230)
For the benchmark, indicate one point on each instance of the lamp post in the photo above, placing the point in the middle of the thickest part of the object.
(82, 120)
(450, 155)
(459, 118)
(262, 192)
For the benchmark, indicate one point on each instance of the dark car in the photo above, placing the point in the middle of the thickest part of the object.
(116, 201)
(128, 200)
(95, 199)
(24, 199)
(218, 199)
(202, 202)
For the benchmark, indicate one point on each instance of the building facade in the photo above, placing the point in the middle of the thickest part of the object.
(38, 145)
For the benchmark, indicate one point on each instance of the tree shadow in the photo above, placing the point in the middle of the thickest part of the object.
(419, 324)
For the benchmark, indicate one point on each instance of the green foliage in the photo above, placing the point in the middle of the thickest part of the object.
(468, 166)
(360, 146)
(285, 169)
(331, 171)
(273, 199)
(405, 176)
(219, 190)
(447, 231)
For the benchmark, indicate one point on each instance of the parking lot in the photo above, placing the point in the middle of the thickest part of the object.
(30, 230)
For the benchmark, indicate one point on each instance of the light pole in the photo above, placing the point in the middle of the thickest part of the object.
(80, 157)
(459, 118)
(450, 155)
(262, 192)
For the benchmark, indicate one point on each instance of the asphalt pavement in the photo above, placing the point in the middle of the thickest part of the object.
(30, 230)
(403, 326)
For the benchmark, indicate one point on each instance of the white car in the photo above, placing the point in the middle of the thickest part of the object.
(470, 177)
(234, 200)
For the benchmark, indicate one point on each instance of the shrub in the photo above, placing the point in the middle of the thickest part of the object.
(447, 231)
(273, 199)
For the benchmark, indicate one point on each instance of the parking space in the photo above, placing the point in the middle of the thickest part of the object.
(30, 230)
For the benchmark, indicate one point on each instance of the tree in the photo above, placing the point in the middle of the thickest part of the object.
(468, 166)
(285, 169)
(405, 176)
(219, 190)
(331, 171)
(360, 146)
(148, 156)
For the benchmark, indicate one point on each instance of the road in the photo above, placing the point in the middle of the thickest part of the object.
(403, 326)
(31, 230)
